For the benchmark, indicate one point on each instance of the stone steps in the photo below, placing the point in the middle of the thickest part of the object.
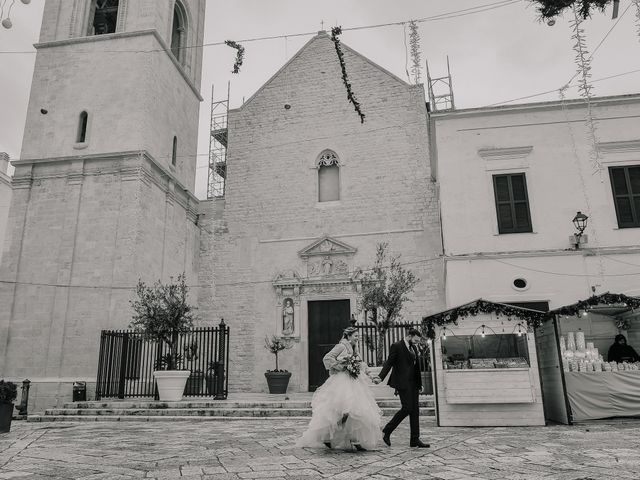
(145, 410)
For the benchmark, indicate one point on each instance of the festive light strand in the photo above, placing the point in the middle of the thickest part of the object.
(583, 61)
(414, 41)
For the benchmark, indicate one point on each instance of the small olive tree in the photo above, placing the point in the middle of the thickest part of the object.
(385, 289)
(275, 345)
(161, 313)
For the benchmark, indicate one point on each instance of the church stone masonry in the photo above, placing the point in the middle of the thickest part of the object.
(277, 255)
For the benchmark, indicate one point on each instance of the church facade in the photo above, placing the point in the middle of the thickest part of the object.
(310, 192)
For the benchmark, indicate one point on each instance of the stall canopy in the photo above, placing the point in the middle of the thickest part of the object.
(592, 390)
(533, 318)
(611, 304)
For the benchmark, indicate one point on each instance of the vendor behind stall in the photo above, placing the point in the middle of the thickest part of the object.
(621, 352)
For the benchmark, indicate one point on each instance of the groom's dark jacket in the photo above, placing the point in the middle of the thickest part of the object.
(406, 369)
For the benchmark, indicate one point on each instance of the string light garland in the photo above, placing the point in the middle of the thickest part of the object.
(239, 54)
(595, 300)
(532, 318)
(583, 62)
(414, 43)
(335, 31)
(637, 4)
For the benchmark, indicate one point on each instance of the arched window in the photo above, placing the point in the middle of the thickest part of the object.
(103, 15)
(81, 137)
(174, 152)
(328, 177)
(179, 32)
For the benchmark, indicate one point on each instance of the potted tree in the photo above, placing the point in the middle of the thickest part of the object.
(8, 393)
(161, 313)
(277, 380)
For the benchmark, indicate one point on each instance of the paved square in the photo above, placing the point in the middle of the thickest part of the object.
(255, 449)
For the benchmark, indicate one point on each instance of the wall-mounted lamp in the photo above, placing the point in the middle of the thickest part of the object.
(580, 223)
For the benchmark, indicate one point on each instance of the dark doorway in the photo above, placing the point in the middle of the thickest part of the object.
(327, 320)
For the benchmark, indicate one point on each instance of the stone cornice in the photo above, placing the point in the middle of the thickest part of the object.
(146, 169)
(626, 146)
(526, 107)
(509, 153)
(111, 36)
(587, 252)
(5, 179)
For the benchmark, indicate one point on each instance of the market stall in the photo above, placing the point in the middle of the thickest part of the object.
(484, 365)
(580, 381)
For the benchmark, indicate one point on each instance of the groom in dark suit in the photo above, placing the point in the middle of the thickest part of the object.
(405, 378)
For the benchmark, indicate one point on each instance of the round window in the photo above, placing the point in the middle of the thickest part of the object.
(520, 283)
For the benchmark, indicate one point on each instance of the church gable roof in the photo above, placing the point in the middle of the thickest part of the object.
(322, 37)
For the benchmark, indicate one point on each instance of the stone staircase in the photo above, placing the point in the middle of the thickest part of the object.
(238, 407)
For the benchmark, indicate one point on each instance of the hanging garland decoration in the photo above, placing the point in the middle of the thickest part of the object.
(335, 31)
(414, 42)
(637, 4)
(583, 61)
(552, 8)
(596, 300)
(239, 54)
(533, 318)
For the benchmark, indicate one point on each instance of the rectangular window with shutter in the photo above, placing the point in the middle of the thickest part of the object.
(512, 203)
(625, 184)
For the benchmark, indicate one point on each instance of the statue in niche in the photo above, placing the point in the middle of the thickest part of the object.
(287, 317)
(326, 265)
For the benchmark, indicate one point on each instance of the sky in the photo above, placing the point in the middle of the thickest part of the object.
(496, 55)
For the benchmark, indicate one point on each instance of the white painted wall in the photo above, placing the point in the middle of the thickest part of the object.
(549, 143)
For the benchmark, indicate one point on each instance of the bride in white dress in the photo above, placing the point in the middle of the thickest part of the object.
(344, 411)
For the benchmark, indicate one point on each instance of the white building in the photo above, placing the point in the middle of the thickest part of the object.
(535, 163)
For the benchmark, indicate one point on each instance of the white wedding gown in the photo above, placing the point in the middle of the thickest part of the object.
(342, 394)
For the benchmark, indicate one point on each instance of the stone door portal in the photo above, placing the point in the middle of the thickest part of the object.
(327, 320)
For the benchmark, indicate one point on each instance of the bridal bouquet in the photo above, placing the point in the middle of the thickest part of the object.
(353, 366)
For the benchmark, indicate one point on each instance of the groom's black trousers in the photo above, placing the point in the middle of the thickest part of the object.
(410, 408)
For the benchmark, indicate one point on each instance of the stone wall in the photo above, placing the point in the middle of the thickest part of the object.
(271, 211)
(81, 233)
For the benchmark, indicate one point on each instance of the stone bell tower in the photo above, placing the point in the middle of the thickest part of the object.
(103, 190)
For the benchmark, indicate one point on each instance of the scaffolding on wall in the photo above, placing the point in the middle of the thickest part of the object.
(441, 91)
(217, 172)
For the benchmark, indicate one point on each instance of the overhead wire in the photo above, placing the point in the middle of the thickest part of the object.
(441, 16)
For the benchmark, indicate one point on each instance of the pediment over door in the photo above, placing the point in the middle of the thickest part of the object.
(327, 246)
(328, 258)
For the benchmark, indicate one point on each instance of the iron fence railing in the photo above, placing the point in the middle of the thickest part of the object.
(368, 342)
(127, 361)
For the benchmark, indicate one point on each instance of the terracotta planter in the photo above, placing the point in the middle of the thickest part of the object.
(6, 412)
(171, 384)
(278, 381)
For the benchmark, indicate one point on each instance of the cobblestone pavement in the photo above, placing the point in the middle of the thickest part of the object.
(251, 449)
